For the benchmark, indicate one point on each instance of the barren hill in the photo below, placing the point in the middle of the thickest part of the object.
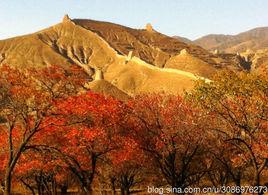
(149, 45)
(68, 43)
(130, 61)
(153, 47)
(253, 39)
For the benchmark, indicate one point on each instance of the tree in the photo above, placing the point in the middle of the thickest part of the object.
(172, 134)
(227, 167)
(125, 168)
(85, 129)
(26, 99)
(238, 102)
(37, 171)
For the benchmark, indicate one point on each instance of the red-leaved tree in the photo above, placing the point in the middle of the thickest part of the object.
(27, 98)
(172, 134)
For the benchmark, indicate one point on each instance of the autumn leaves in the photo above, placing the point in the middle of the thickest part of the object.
(56, 136)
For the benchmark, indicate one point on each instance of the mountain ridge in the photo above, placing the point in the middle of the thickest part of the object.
(131, 61)
(256, 38)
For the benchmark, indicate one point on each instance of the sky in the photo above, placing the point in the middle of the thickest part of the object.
(187, 18)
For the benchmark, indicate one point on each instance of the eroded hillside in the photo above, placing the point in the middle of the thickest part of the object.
(67, 43)
(147, 44)
(131, 61)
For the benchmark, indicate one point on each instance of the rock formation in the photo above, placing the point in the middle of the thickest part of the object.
(149, 27)
(66, 18)
(216, 51)
(129, 56)
(183, 52)
(98, 75)
(2, 57)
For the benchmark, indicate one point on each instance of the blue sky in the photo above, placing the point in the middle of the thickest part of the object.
(188, 18)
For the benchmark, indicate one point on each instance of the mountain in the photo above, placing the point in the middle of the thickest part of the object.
(130, 61)
(183, 39)
(254, 39)
(146, 44)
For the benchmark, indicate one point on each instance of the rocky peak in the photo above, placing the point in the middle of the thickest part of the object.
(66, 18)
(183, 52)
(149, 27)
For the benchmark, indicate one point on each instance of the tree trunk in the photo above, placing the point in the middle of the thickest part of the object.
(238, 184)
(63, 189)
(13, 159)
(28, 186)
(113, 191)
(8, 182)
(123, 191)
(86, 188)
(127, 191)
(257, 181)
(54, 186)
(113, 187)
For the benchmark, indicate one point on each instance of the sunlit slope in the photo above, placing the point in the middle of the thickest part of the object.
(137, 76)
(62, 44)
(27, 51)
(67, 43)
(187, 62)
